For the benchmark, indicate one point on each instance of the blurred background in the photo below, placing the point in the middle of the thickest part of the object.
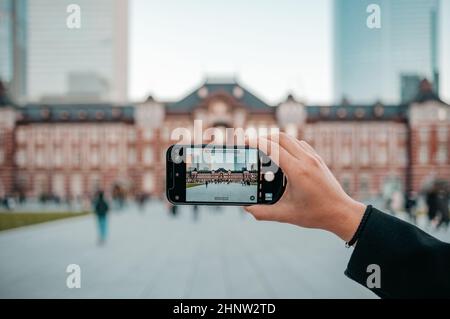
(90, 92)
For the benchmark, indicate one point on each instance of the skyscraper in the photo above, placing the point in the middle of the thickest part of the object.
(13, 46)
(89, 63)
(369, 62)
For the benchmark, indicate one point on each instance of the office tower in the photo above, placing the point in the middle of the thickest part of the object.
(409, 86)
(85, 64)
(13, 47)
(370, 62)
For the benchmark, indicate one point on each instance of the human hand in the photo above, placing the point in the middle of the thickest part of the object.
(313, 197)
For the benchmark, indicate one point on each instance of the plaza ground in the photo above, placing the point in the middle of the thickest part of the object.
(150, 254)
(235, 192)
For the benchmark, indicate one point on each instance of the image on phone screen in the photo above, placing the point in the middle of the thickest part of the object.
(221, 175)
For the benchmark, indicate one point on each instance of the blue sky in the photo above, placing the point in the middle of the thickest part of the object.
(273, 47)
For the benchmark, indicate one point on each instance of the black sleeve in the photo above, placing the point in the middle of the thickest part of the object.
(412, 263)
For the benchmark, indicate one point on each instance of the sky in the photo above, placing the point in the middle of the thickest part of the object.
(267, 45)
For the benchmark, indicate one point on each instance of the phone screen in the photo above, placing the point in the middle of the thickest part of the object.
(219, 174)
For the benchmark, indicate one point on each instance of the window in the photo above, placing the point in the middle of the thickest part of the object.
(148, 182)
(76, 157)
(2, 156)
(94, 135)
(442, 154)
(423, 154)
(113, 137)
(131, 135)
(58, 187)
(2, 189)
(364, 184)
(57, 157)
(401, 155)
(113, 156)
(364, 155)
(40, 136)
(20, 158)
(383, 136)
(148, 155)
(423, 135)
(346, 155)
(131, 156)
(382, 155)
(76, 185)
(442, 134)
(95, 183)
(21, 135)
(40, 161)
(148, 133)
(40, 185)
(95, 156)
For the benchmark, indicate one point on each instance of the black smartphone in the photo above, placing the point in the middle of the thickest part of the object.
(221, 175)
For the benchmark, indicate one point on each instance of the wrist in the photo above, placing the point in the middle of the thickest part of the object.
(347, 219)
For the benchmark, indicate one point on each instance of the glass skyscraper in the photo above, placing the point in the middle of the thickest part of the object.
(374, 64)
(86, 64)
(13, 46)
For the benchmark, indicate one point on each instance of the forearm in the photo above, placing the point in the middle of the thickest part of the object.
(412, 263)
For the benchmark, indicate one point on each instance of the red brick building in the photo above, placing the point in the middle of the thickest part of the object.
(71, 150)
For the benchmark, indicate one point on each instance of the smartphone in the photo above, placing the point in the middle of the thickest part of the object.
(222, 175)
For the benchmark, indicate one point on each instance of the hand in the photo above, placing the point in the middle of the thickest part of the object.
(313, 197)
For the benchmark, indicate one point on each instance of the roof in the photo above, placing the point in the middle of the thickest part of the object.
(347, 112)
(426, 93)
(76, 113)
(211, 88)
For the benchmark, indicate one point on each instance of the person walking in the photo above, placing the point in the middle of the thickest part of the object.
(432, 203)
(101, 209)
(410, 205)
(442, 199)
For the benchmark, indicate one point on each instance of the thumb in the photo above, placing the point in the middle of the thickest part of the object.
(261, 212)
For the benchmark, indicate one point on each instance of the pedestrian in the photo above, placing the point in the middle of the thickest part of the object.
(101, 209)
(410, 205)
(173, 209)
(195, 212)
(432, 203)
(442, 199)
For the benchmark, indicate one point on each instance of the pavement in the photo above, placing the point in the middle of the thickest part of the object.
(233, 192)
(151, 254)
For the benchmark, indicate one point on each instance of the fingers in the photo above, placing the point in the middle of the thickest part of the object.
(278, 154)
(292, 145)
(275, 151)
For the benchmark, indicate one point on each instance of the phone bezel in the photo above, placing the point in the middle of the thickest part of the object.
(177, 172)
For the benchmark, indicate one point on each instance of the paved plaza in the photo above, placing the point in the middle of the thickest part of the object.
(150, 254)
(233, 192)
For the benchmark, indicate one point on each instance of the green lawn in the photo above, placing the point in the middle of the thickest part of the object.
(14, 219)
(189, 185)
